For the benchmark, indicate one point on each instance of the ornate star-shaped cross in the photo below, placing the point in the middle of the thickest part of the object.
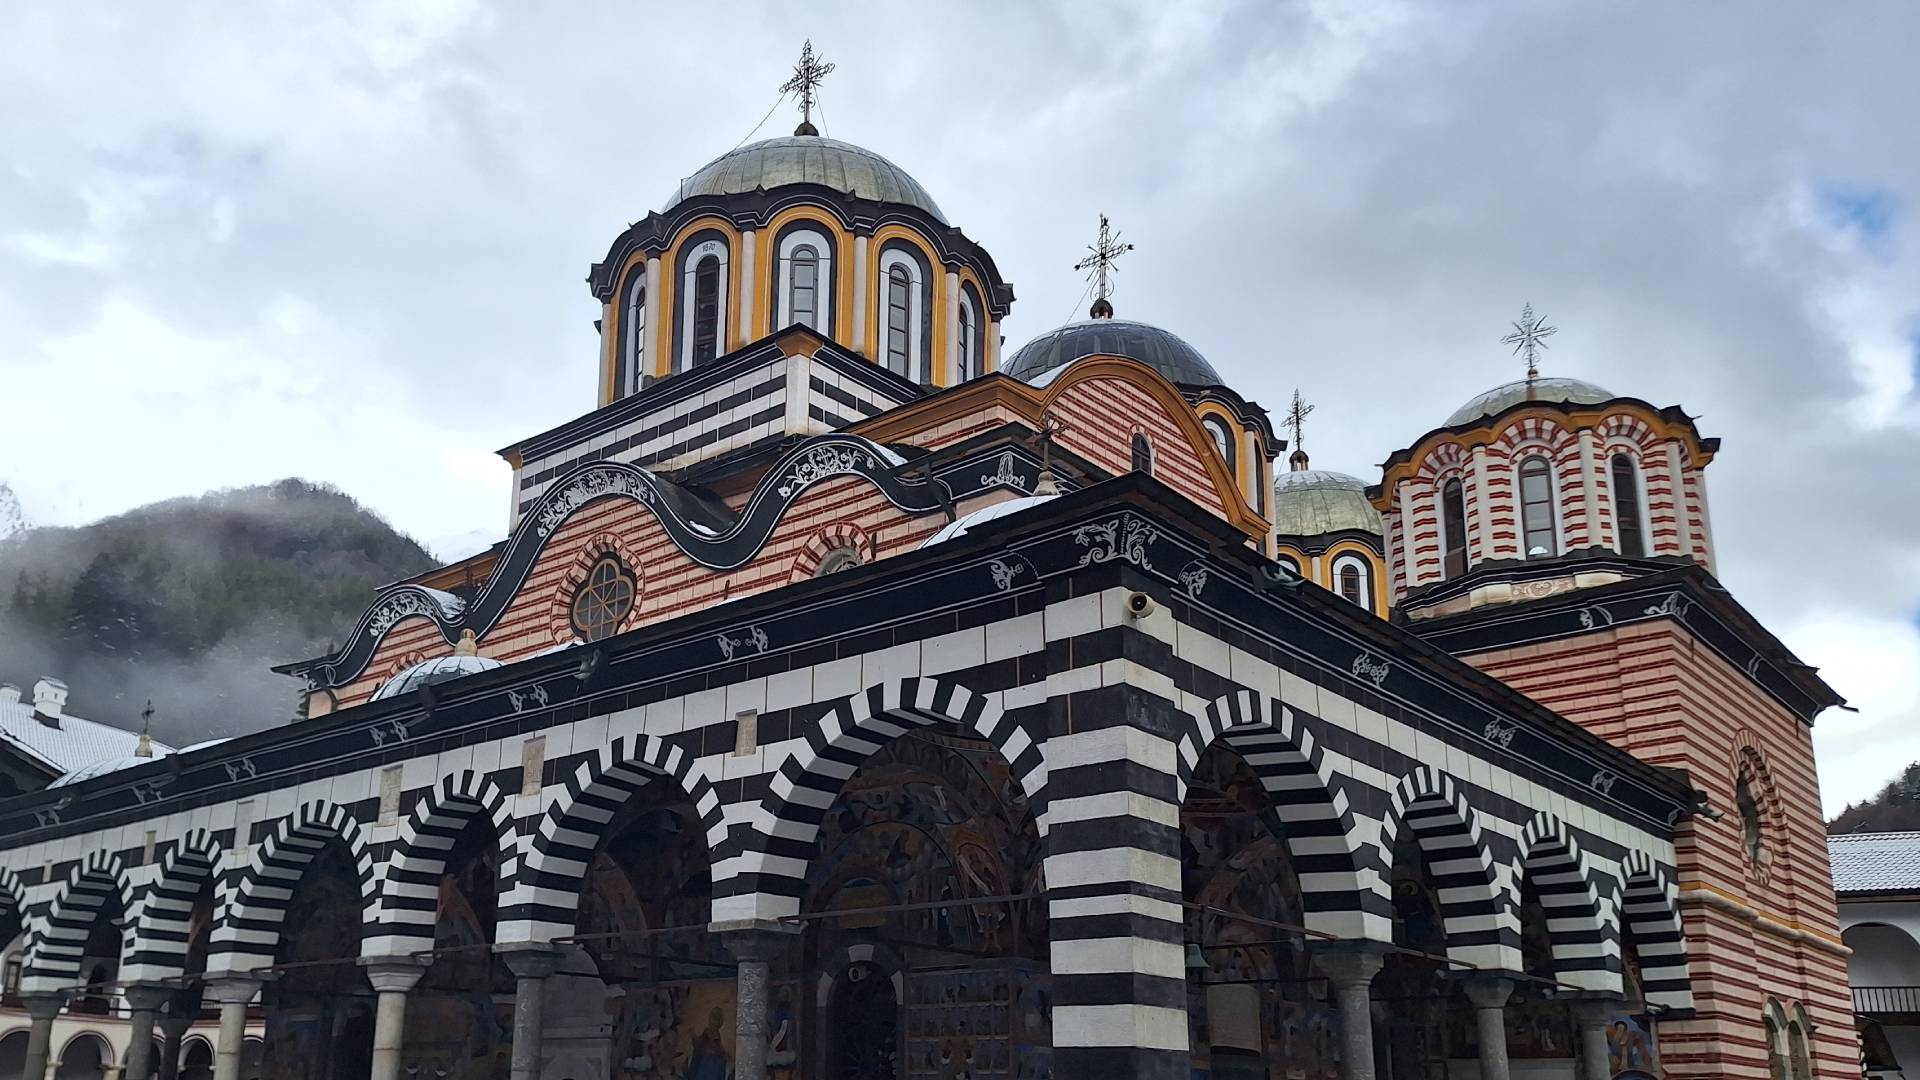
(1099, 266)
(807, 75)
(1297, 417)
(1529, 338)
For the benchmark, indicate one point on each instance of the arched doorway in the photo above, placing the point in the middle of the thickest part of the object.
(933, 961)
(85, 1057)
(196, 1060)
(1425, 1018)
(1540, 1027)
(1256, 1006)
(319, 1005)
(13, 1052)
(459, 1020)
(100, 958)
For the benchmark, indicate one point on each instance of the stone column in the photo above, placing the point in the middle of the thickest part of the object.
(41, 1009)
(1351, 971)
(531, 963)
(753, 943)
(145, 1002)
(174, 1028)
(1489, 997)
(748, 249)
(857, 338)
(234, 993)
(1591, 1017)
(391, 977)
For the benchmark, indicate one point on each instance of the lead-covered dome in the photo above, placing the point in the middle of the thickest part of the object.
(432, 672)
(807, 159)
(1161, 350)
(1314, 502)
(1507, 395)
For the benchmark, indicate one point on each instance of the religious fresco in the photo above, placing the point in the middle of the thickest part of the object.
(1632, 1049)
(459, 1021)
(1539, 1025)
(319, 1009)
(1259, 1008)
(948, 988)
(1428, 1020)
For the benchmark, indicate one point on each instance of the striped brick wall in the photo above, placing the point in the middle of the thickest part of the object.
(1756, 931)
(1101, 416)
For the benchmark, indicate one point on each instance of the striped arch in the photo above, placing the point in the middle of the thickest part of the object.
(252, 907)
(409, 892)
(1586, 948)
(542, 893)
(1649, 904)
(163, 914)
(767, 881)
(1338, 872)
(841, 535)
(1482, 929)
(59, 943)
(13, 894)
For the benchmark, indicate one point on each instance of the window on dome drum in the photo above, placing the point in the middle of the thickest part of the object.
(1627, 514)
(604, 599)
(1536, 508)
(837, 560)
(899, 318)
(963, 364)
(706, 310)
(636, 332)
(803, 301)
(1289, 562)
(1453, 515)
(1353, 580)
(1222, 439)
(1142, 453)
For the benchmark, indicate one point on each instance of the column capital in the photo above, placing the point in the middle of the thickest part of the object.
(393, 974)
(1347, 965)
(1488, 992)
(43, 1006)
(530, 959)
(233, 989)
(1597, 1008)
(147, 997)
(754, 939)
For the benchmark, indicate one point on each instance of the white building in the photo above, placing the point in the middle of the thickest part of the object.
(1877, 879)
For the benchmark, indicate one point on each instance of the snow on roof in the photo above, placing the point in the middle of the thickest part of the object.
(1875, 862)
(75, 744)
(959, 527)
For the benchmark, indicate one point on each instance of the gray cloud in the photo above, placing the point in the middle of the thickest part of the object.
(355, 238)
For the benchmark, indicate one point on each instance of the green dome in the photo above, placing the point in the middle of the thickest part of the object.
(1313, 502)
(1507, 395)
(807, 159)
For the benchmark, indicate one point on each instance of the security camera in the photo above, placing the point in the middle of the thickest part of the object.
(1139, 605)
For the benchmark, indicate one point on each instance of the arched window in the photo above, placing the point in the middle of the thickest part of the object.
(1798, 1056)
(634, 348)
(968, 365)
(700, 323)
(1628, 514)
(803, 281)
(1353, 580)
(1222, 439)
(603, 600)
(1540, 539)
(1753, 835)
(905, 312)
(1142, 453)
(1453, 531)
(1292, 564)
(1776, 1050)
(837, 560)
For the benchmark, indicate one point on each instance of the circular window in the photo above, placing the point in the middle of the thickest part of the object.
(604, 599)
(840, 558)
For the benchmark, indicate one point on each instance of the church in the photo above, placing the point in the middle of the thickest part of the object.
(848, 699)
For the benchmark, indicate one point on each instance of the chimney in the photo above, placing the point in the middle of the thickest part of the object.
(49, 699)
(9, 694)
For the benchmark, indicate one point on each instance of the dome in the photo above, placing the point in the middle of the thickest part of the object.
(1507, 395)
(432, 672)
(1161, 350)
(958, 527)
(1311, 502)
(102, 768)
(807, 159)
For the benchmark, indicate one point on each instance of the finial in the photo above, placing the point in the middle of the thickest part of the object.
(145, 747)
(1099, 267)
(1297, 422)
(466, 645)
(807, 74)
(1529, 338)
(1050, 428)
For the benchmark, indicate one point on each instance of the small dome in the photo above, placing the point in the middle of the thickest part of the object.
(807, 159)
(102, 768)
(432, 672)
(958, 527)
(1312, 502)
(1507, 395)
(1161, 350)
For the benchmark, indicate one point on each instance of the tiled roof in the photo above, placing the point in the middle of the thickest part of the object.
(1875, 862)
(74, 744)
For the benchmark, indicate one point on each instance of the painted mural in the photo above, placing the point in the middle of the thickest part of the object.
(1428, 1021)
(1257, 1010)
(320, 1007)
(460, 1016)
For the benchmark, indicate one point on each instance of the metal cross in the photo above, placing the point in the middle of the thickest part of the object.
(807, 74)
(146, 717)
(1099, 261)
(1297, 417)
(1530, 336)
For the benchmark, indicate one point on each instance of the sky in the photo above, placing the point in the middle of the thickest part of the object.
(348, 241)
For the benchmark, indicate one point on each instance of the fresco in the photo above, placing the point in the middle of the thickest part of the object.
(319, 1016)
(460, 1016)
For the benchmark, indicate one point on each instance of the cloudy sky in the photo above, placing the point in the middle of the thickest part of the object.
(347, 242)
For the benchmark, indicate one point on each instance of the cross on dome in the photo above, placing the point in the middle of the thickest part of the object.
(807, 75)
(1296, 422)
(1529, 337)
(1099, 266)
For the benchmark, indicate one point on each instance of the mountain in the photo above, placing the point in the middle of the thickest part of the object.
(1895, 809)
(187, 602)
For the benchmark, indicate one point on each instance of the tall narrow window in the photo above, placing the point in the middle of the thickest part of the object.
(636, 323)
(1142, 453)
(1627, 515)
(1353, 580)
(1222, 439)
(1536, 508)
(804, 303)
(706, 310)
(1453, 523)
(963, 364)
(899, 320)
